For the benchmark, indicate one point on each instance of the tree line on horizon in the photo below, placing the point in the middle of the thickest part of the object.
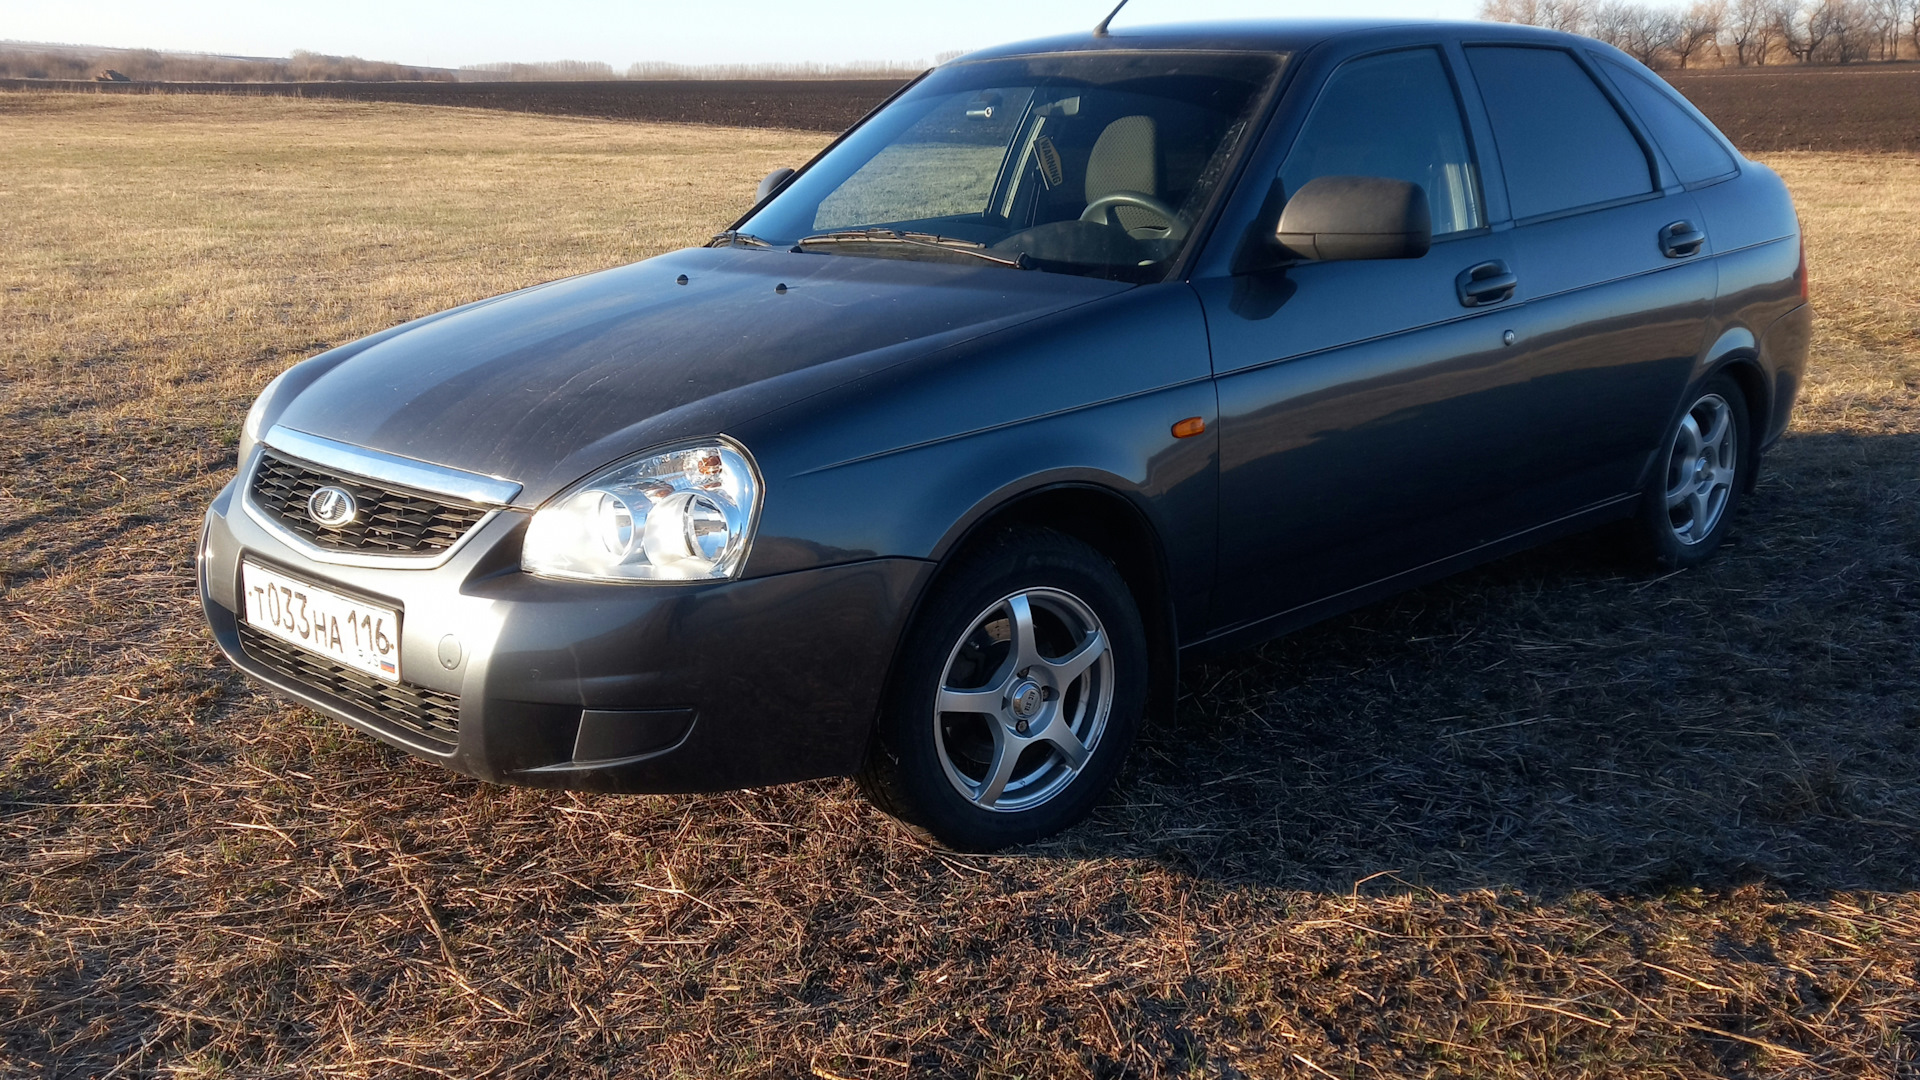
(152, 65)
(1659, 34)
(1738, 33)
(594, 70)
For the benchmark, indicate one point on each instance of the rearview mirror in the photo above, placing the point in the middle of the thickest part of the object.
(983, 106)
(1356, 217)
(775, 180)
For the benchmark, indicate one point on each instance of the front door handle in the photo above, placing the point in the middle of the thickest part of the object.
(1487, 283)
(1681, 239)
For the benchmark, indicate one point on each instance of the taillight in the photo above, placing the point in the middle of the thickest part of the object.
(1800, 272)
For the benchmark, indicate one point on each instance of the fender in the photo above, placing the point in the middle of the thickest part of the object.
(1009, 495)
(1734, 350)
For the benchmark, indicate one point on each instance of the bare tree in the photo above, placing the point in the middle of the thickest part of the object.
(1801, 33)
(1767, 38)
(1660, 33)
(1650, 34)
(1695, 28)
(1568, 15)
(1609, 23)
(1885, 21)
(1633, 28)
(1841, 29)
(1749, 29)
(1524, 12)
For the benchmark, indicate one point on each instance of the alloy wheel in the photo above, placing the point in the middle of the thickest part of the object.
(1023, 700)
(1701, 469)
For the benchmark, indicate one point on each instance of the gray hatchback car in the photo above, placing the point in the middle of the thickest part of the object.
(1075, 359)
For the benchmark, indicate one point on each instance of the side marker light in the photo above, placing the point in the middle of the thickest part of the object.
(1188, 428)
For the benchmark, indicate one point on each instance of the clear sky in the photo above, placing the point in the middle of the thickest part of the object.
(449, 33)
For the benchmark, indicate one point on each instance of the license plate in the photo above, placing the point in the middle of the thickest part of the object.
(365, 637)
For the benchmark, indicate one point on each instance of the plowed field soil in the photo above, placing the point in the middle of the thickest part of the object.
(1873, 107)
(822, 105)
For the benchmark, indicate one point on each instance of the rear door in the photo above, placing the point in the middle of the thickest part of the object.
(1613, 263)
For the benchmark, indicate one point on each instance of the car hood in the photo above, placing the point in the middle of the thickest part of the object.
(546, 384)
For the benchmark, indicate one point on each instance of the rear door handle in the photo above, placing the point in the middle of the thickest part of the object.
(1681, 239)
(1487, 283)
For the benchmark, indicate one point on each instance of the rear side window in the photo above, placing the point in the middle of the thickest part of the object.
(1393, 116)
(1562, 143)
(1694, 154)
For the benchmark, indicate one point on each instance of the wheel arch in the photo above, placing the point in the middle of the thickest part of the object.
(1108, 521)
(1736, 354)
(1743, 367)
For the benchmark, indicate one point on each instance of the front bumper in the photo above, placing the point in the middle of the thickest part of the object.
(634, 688)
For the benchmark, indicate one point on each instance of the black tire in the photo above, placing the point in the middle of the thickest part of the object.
(920, 758)
(1668, 535)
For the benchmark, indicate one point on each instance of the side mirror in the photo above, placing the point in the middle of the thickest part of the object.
(1356, 217)
(775, 180)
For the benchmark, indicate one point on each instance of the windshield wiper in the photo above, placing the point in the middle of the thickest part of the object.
(735, 236)
(928, 241)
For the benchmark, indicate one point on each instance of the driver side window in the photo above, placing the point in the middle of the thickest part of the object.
(1394, 115)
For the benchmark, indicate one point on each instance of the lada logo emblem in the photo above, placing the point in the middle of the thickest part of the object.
(332, 507)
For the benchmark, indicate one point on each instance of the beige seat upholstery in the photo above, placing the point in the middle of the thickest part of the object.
(1126, 158)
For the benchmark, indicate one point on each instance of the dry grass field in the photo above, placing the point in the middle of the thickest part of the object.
(1553, 818)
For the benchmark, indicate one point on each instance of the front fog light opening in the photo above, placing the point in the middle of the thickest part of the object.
(682, 514)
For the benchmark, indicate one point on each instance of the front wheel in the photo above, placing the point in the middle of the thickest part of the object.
(1696, 483)
(1020, 689)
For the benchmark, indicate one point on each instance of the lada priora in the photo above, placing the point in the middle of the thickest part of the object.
(1075, 359)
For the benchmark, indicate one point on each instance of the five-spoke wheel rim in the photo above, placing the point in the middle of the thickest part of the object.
(1023, 700)
(1701, 469)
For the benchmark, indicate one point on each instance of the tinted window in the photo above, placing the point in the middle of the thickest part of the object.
(1393, 116)
(1694, 154)
(1561, 141)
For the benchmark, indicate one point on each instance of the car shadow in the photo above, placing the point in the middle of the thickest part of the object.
(1563, 720)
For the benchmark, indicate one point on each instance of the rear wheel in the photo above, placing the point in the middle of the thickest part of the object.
(1696, 483)
(1019, 692)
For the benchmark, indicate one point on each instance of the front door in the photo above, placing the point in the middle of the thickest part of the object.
(1368, 410)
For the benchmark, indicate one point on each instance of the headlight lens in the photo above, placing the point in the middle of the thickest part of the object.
(681, 514)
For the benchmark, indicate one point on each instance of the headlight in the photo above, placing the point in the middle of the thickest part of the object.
(682, 514)
(256, 416)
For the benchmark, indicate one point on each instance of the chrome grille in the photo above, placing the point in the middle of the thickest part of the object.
(431, 714)
(391, 520)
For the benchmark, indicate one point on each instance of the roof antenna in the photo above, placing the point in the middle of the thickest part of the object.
(1101, 30)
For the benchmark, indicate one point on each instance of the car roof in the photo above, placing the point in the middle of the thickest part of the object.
(1264, 35)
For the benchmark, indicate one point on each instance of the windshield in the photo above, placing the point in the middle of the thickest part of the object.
(1083, 163)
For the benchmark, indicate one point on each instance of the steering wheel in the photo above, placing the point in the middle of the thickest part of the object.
(1101, 210)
